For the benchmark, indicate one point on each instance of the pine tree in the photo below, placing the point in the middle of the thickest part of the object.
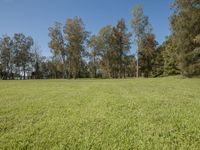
(170, 58)
(158, 62)
(185, 24)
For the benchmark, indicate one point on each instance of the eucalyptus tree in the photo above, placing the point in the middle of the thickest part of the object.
(94, 45)
(121, 43)
(22, 50)
(76, 37)
(145, 39)
(106, 50)
(140, 25)
(37, 59)
(7, 57)
(147, 54)
(58, 45)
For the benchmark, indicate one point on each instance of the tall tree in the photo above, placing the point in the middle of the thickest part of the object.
(147, 54)
(146, 43)
(76, 36)
(7, 57)
(140, 25)
(22, 46)
(114, 45)
(106, 50)
(120, 44)
(93, 44)
(57, 44)
(36, 61)
(170, 57)
(185, 24)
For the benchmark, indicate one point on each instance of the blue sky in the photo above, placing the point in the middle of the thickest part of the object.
(34, 17)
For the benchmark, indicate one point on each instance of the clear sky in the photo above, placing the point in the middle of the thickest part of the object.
(34, 17)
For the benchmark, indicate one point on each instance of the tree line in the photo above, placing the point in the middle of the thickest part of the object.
(76, 53)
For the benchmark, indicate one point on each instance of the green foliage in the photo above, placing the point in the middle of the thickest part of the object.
(94, 55)
(161, 113)
(15, 55)
(146, 43)
(76, 37)
(139, 22)
(129, 66)
(104, 36)
(37, 61)
(113, 45)
(22, 46)
(185, 27)
(6, 56)
(147, 54)
(119, 42)
(57, 45)
(158, 62)
(170, 58)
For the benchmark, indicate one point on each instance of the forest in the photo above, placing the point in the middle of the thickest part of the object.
(77, 53)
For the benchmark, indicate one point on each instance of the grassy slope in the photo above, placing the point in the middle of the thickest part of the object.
(100, 114)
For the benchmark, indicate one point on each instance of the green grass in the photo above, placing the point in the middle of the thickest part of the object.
(162, 113)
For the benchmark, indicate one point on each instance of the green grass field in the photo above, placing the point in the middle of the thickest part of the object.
(162, 113)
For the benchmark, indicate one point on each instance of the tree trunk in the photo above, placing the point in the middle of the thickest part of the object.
(69, 70)
(137, 69)
(11, 72)
(124, 73)
(64, 68)
(95, 70)
(24, 72)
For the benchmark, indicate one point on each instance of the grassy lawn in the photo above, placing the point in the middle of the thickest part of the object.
(162, 113)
